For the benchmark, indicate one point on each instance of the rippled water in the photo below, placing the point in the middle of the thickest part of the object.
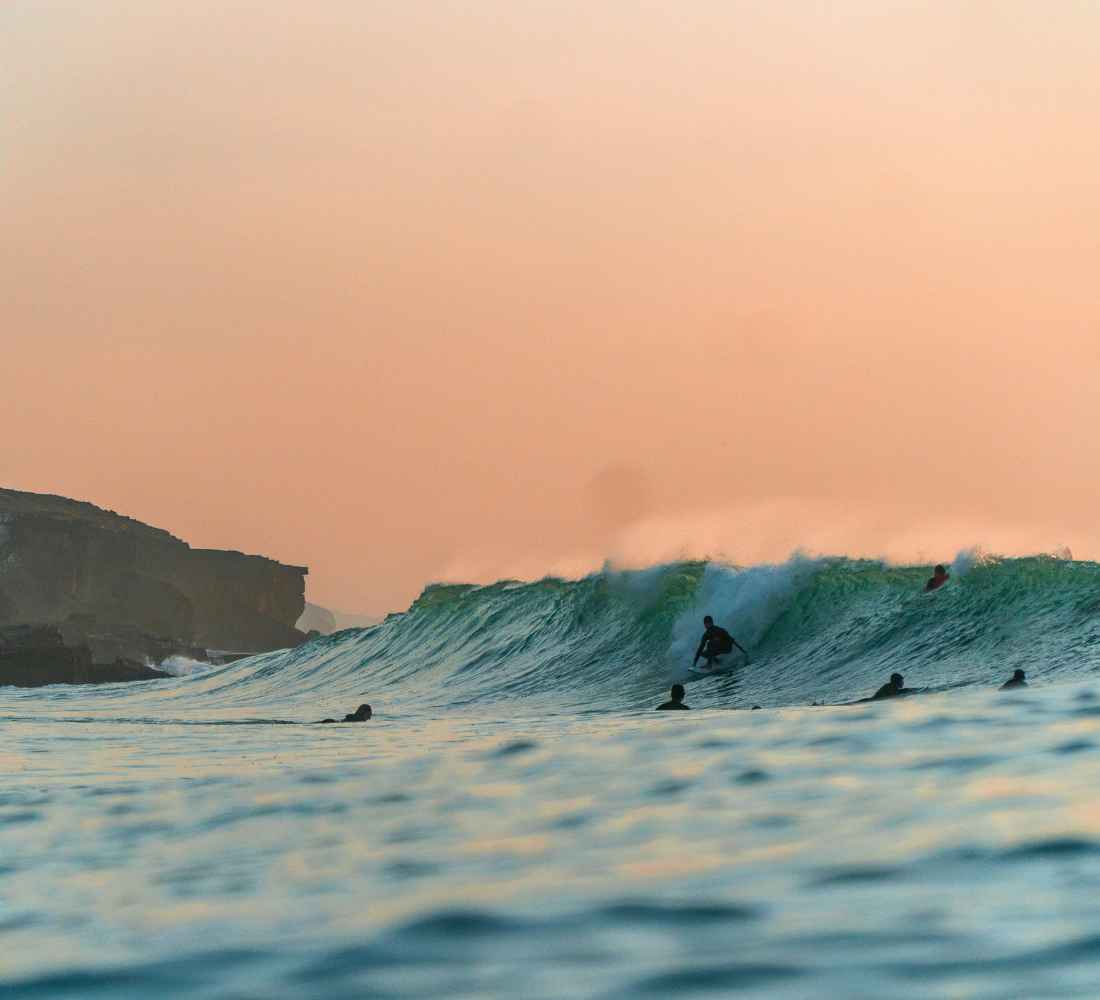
(946, 845)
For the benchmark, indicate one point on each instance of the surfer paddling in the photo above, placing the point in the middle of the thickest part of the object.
(677, 701)
(716, 642)
(361, 714)
(940, 576)
(894, 687)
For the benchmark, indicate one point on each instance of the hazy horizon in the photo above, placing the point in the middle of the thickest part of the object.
(408, 292)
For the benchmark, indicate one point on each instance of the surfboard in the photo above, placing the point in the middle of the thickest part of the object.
(726, 665)
(697, 674)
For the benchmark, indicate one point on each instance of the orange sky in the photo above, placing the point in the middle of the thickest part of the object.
(407, 290)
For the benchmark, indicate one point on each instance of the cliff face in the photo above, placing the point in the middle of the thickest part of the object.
(35, 655)
(62, 560)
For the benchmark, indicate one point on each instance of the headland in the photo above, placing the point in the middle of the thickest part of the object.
(89, 595)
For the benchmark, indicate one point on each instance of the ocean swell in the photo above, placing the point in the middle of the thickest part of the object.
(817, 629)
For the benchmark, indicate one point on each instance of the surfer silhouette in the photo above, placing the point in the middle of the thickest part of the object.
(716, 642)
(940, 576)
(361, 714)
(1017, 680)
(677, 701)
(891, 689)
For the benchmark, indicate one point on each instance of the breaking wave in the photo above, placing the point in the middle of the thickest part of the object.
(817, 629)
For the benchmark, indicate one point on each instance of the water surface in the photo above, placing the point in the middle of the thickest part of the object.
(510, 825)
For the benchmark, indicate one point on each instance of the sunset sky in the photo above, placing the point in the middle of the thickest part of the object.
(412, 290)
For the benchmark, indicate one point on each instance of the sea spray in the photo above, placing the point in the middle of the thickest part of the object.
(183, 666)
(745, 601)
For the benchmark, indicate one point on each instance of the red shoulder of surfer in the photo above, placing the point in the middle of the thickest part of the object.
(940, 576)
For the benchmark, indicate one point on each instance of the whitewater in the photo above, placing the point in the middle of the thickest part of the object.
(517, 821)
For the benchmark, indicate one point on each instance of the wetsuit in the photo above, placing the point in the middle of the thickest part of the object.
(350, 718)
(715, 642)
(669, 706)
(886, 691)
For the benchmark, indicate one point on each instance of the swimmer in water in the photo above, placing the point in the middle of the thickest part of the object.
(940, 576)
(892, 689)
(716, 642)
(361, 714)
(1017, 680)
(677, 701)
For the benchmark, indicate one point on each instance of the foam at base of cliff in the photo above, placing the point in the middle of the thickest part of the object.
(183, 666)
(827, 629)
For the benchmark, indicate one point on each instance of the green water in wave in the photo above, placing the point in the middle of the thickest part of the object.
(817, 629)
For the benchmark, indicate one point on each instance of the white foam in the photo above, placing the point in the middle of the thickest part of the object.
(967, 559)
(745, 602)
(184, 666)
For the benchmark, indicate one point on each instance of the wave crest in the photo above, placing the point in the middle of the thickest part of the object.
(828, 628)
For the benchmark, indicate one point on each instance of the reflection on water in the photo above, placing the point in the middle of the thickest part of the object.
(944, 846)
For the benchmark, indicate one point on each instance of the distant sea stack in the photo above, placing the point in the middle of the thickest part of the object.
(322, 620)
(317, 619)
(94, 573)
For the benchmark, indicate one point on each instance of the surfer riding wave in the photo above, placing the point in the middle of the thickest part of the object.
(716, 642)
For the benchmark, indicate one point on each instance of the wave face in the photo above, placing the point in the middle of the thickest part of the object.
(827, 629)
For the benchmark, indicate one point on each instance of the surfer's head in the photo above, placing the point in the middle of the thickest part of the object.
(677, 692)
(363, 712)
(897, 682)
(708, 621)
(940, 570)
(1018, 674)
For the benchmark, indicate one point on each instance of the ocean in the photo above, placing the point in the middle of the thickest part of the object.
(516, 821)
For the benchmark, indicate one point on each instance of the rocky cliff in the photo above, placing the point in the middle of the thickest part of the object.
(64, 562)
(36, 655)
